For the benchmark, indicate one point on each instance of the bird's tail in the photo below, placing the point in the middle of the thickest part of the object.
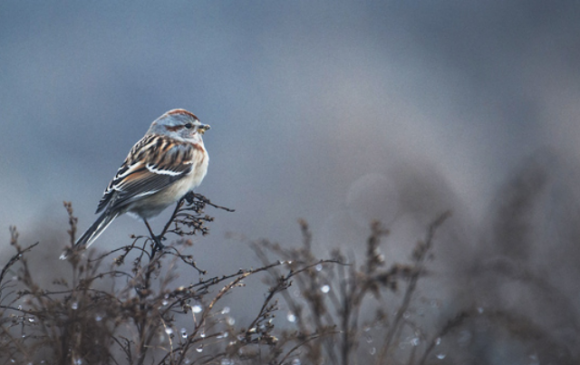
(93, 232)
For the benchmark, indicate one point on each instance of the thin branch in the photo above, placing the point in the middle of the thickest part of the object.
(420, 256)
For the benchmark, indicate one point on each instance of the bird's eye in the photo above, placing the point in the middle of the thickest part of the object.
(188, 125)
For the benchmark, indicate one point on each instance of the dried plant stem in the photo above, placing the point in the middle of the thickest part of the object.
(421, 255)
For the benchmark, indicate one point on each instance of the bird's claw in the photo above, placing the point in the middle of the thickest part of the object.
(189, 197)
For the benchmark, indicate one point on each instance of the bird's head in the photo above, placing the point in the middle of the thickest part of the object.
(179, 124)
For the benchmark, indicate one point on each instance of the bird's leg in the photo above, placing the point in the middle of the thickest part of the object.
(158, 245)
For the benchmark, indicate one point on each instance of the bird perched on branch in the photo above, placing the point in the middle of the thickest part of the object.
(167, 163)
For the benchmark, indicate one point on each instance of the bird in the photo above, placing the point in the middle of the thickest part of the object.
(161, 168)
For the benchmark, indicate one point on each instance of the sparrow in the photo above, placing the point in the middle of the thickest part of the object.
(167, 163)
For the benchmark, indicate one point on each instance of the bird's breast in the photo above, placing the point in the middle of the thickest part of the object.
(157, 202)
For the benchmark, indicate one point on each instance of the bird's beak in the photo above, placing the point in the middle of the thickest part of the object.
(202, 128)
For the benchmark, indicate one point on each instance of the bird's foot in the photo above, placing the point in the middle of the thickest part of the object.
(189, 197)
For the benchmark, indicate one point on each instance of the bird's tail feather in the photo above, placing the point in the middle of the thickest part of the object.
(94, 231)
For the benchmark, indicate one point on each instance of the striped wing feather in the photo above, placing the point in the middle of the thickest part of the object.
(154, 163)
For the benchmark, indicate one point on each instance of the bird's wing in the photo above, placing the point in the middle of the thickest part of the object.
(154, 163)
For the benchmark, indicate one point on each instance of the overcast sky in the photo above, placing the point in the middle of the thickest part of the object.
(333, 111)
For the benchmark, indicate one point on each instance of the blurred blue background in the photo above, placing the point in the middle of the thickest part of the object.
(319, 110)
(304, 99)
(338, 112)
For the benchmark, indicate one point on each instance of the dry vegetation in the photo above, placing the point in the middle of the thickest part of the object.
(123, 306)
